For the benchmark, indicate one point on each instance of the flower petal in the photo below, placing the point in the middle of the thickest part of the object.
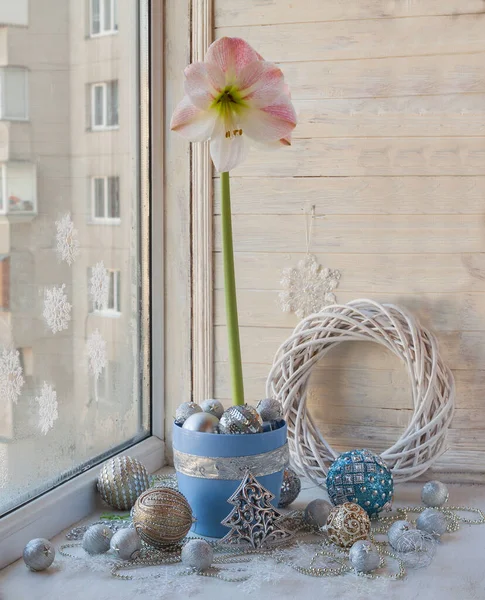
(194, 124)
(231, 55)
(260, 83)
(227, 152)
(270, 123)
(203, 83)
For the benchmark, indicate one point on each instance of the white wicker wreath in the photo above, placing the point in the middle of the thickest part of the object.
(433, 387)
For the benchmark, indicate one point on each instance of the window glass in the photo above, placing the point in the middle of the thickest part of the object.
(113, 198)
(15, 94)
(107, 16)
(112, 117)
(95, 16)
(98, 106)
(99, 211)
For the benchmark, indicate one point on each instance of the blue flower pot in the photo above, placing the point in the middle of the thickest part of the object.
(210, 467)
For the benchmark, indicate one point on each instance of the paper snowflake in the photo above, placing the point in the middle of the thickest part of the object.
(96, 351)
(308, 287)
(99, 286)
(47, 408)
(57, 310)
(67, 241)
(11, 380)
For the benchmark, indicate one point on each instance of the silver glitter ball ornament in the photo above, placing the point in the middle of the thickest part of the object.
(397, 532)
(432, 521)
(364, 556)
(185, 410)
(290, 488)
(126, 543)
(316, 513)
(434, 493)
(39, 554)
(213, 407)
(269, 409)
(197, 554)
(241, 419)
(202, 421)
(97, 539)
(121, 481)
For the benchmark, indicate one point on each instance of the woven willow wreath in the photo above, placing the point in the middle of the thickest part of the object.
(433, 386)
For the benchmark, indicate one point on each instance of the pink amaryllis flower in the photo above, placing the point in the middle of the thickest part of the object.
(234, 96)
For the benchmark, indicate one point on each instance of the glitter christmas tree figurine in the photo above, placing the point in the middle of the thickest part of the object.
(253, 520)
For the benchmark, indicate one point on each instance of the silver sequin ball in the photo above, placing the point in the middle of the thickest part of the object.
(39, 554)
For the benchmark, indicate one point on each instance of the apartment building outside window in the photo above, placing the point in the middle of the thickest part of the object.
(105, 200)
(104, 105)
(103, 17)
(14, 102)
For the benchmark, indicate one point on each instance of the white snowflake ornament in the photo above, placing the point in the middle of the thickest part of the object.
(47, 408)
(308, 287)
(99, 286)
(57, 310)
(11, 380)
(96, 351)
(67, 240)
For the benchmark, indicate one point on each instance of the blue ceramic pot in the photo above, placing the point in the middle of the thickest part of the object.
(207, 482)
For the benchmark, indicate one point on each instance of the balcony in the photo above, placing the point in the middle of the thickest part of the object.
(18, 191)
(14, 13)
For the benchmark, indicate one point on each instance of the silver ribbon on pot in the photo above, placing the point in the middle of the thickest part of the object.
(231, 467)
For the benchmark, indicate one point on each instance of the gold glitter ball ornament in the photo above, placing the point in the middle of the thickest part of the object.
(121, 481)
(346, 524)
(162, 517)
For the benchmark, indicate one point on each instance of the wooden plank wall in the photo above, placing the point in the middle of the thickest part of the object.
(390, 148)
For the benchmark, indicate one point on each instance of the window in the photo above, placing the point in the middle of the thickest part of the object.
(104, 105)
(105, 195)
(104, 290)
(114, 289)
(18, 189)
(14, 94)
(104, 17)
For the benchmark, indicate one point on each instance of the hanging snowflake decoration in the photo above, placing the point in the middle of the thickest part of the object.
(57, 310)
(66, 238)
(308, 287)
(99, 286)
(47, 408)
(11, 380)
(96, 351)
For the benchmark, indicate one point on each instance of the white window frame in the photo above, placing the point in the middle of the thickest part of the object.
(105, 220)
(104, 125)
(4, 91)
(5, 205)
(113, 30)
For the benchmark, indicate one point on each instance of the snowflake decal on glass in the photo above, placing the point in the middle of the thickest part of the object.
(57, 310)
(308, 287)
(66, 238)
(11, 380)
(96, 351)
(99, 286)
(47, 408)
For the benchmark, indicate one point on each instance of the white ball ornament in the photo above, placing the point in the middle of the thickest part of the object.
(97, 539)
(213, 407)
(397, 534)
(316, 513)
(197, 554)
(202, 421)
(364, 557)
(434, 493)
(432, 521)
(185, 410)
(39, 554)
(126, 543)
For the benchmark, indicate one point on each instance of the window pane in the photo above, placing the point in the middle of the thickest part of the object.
(99, 203)
(15, 94)
(113, 198)
(107, 15)
(95, 16)
(112, 103)
(111, 294)
(98, 116)
(115, 14)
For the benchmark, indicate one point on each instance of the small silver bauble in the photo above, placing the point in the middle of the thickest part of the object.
(213, 407)
(241, 419)
(397, 532)
(185, 410)
(290, 488)
(39, 554)
(126, 543)
(432, 521)
(434, 493)
(202, 421)
(97, 539)
(316, 512)
(197, 554)
(269, 409)
(364, 556)
(121, 480)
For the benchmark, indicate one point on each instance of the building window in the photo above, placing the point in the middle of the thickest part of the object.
(105, 199)
(14, 94)
(111, 303)
(104, 105)
(18, 189)
(114, 304)
(104, 17)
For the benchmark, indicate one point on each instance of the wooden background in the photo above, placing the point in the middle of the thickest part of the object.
(390, 148)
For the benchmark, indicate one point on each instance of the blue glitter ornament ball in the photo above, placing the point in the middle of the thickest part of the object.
(361, 476)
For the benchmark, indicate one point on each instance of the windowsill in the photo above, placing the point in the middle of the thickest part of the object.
(112, 314)
(93, 36)
(15, 119)
(17, 217)
(107, 128)
(94, 221)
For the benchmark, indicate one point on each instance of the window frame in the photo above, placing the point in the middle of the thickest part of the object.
(4, 90)
(104, 85)
(114, 19)
(106, 219)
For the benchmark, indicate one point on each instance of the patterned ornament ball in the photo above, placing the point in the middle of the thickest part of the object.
(162, 517)
(121, 481)
(97, 539)
(364, 557)
(185, 410)
(397, 535)
(434, 493)
(213, 407)
(432, 521)
(269, 409)
(317, 512)
(241, 419)
(362, 477)
(290, 488)
(126, 543)
(347, 524)
(197, 554)
(39, 554)
(203, 422)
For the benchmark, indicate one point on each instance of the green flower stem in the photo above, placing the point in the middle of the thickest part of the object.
(230, 293)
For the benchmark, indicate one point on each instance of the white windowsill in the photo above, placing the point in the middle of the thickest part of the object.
(104, 128)
(95, 221)
(112, 314)
(93, 36)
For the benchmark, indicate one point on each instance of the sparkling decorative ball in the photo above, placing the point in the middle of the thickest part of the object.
(434, 493)
(39, 554)
(361, 476)
(241, 419)
(213, 407)
(121, 481)
(126, 543)
(347, 523)
(197, 554)
(432, 521)
(184, 411)
(397, 533)
(290, 488)
(270, 409)
(364, 556)
(202, 421)
(162, 517)
(97, 539)
(317, 512)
